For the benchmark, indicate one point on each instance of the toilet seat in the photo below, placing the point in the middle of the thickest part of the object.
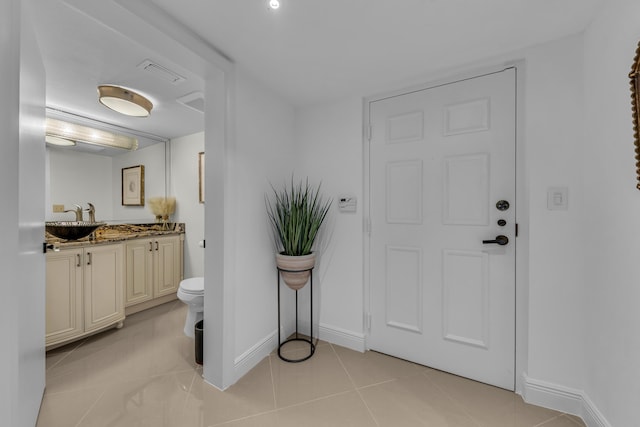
(193, 286)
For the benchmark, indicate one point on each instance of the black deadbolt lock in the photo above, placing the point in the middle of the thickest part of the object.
(502, 205)
(502, 222)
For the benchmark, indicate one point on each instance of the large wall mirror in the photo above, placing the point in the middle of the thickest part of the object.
(634, 75)
(85, 173)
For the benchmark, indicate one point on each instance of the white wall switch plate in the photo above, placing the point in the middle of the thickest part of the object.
(557, 198)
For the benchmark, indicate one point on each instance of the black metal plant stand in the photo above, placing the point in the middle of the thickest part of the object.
(312, 347)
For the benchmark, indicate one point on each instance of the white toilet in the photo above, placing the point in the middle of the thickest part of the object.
(191, 292)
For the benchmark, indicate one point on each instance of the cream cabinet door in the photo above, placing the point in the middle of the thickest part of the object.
(103, 286)
(167, 265)
(64, 314)
(139, 271)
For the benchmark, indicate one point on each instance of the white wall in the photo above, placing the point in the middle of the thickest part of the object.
(189, 210)
(331, 149)
(263, 154)
(612, 206)
(553, 142)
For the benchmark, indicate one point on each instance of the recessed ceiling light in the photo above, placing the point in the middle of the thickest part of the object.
(124, 101)
(274, 4)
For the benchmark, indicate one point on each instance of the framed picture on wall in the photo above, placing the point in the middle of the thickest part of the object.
(133, 186)
(201, 177)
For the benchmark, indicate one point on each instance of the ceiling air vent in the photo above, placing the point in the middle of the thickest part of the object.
(161, 72)
(194, 100)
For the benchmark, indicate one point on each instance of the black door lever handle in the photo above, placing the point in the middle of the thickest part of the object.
(499, 240)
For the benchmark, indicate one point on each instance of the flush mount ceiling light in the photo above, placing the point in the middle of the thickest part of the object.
(60, 130)
(62, 142)
(274, 4)
(124, 101)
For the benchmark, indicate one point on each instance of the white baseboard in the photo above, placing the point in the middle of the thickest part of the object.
(250, 358)
(591, 415)
(334, 335)
(349, 339)
(563, 399)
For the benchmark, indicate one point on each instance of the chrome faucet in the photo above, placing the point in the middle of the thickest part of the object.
(92, 212)
(78, 212)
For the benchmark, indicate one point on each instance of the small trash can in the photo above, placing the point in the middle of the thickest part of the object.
(199, 327)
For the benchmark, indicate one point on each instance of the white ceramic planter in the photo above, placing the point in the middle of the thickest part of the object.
(298, 269)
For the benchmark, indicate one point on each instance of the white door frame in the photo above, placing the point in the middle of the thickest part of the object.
(522, 209)
(218, 72)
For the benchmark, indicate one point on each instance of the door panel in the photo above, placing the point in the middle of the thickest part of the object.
(466, 190)
(404, 192)
(466, 117)
(405, 127)
(465, 297)
(31, 264)
(404, 288)
(440, 160)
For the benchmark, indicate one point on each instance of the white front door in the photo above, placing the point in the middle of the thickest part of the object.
(442, 181)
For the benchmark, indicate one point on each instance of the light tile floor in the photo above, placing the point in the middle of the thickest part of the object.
(144, 375)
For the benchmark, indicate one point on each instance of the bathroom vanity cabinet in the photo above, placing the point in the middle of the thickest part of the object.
(93, 284)
(85, 291)
(153, 271)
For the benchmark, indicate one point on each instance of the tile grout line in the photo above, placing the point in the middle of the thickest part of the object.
(380, 383)
(452, 399)
(317, 399)
(563, 415)
(547, 421)
(364, 402)
(582, 423)
(92, 406)
(273, 411)
(248, 417)
(273, 384)
(314, 399)
(68, 354)
(188, 394)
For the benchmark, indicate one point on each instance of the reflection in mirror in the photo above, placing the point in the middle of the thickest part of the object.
(84, 173)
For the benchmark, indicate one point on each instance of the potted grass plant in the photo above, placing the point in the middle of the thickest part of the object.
(296, 214)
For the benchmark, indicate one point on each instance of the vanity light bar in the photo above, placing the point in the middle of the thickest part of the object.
(75, 132)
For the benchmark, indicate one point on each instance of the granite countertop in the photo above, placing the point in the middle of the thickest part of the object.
(117, 233)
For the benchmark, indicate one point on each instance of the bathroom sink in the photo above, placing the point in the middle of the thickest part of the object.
(72, 230)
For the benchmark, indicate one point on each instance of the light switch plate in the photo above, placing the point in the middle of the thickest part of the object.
(557, 198)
